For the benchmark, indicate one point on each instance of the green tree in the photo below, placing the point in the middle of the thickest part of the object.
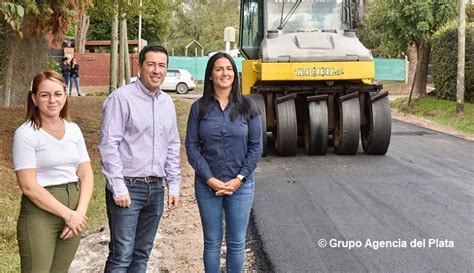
(203, 21)
(155, 21)
(398, 23)
(13, 14)
(125, 13)
(82, 25)
(23, 26)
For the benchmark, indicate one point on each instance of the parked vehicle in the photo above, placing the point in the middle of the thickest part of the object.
(179, 80)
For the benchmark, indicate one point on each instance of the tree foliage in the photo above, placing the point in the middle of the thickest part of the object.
(23, 27)
(391, 25)
(398, 24)
(13, 14)
(51, 16)
(203, 21)
(155, 20)
(445, 61)
(36, 18)
(470, 12)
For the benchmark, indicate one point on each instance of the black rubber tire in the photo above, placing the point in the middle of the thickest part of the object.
(286, 137)
(347, 126)
(182, 88)
(260, 102)
(377, 133)
(316, 128)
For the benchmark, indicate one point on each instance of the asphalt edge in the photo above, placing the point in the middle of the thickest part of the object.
(430, 125)
(254, 240)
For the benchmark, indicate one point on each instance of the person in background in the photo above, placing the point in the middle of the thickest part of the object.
(74, 76)
(139, 147)
(65, 70)
(224, 144)
(54, 173)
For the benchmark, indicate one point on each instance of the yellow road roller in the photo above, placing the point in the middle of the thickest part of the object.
(311, 78)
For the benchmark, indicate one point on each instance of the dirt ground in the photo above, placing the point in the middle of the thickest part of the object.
(178, 244)
(396, 88)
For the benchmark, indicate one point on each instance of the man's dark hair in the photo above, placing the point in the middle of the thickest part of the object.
(65, 59)
(154, 48)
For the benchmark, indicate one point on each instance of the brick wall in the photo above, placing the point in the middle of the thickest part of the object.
(95, 68)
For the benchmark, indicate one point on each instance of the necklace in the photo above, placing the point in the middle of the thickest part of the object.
(53, 130)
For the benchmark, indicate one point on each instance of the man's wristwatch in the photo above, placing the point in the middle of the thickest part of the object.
(242, 178)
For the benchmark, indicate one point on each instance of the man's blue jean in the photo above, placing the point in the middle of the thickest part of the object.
(236, 208)
(73, 80)
(66, 80)
(133, 230)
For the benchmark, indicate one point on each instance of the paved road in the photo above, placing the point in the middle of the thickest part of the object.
(422, 189)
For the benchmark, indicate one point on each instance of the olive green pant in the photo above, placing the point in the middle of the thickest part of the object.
(38, 231)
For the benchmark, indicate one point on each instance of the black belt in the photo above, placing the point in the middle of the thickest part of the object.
(147, 179)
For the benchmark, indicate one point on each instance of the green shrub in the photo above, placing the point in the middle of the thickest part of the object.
(444, 61)
(52, 64)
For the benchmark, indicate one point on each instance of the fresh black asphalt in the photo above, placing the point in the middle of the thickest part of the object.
(419, 192)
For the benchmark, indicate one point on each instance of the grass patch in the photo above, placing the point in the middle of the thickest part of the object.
(86, 112)
(440, 111)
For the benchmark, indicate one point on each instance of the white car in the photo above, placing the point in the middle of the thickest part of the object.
(179, 80)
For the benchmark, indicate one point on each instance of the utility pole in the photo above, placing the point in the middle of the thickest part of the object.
(461, 57)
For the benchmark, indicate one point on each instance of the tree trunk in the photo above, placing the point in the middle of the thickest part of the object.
(122, 51)
(126, 56)
(360, 11)
(461, 58)
(82, 27)
(411, 53)
(113, 53)
(9, 72)
(423, 48)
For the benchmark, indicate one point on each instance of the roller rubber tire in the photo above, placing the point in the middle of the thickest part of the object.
(286, 138)
(376, 135)
(260, 102)
(316, 128)
(347, 127)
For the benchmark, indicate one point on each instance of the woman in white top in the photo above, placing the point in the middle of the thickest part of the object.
(54, 173)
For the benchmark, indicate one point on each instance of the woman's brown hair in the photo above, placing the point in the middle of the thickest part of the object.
(32, 112)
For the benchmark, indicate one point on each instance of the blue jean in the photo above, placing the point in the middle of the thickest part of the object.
(72, 80)
(236, 209)
(133, 230)
(66, 80)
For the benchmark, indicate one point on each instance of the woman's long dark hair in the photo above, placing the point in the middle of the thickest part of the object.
(32, 112)
(72, 61)
(242, 105)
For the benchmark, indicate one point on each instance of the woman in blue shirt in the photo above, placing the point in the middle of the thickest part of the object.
(223, 144)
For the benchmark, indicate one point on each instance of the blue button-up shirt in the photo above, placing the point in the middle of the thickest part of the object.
(221, 148)
(139, 137)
